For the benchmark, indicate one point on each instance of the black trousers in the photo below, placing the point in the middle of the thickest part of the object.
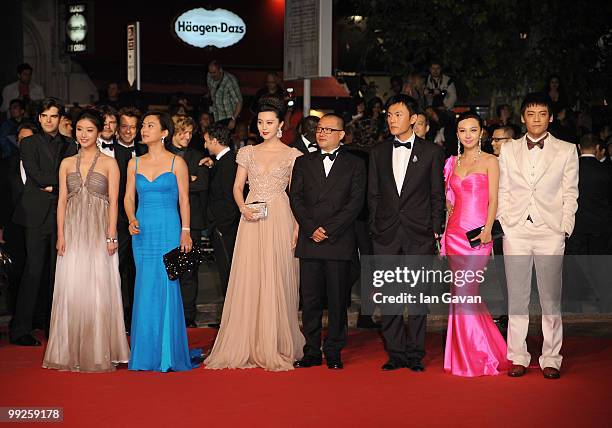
(38, 276)
(127, 270)
(317, 279)
(14, 235)
(189, 284)
(500, 270)
(404, 344)
(223, 246)
(364, 248)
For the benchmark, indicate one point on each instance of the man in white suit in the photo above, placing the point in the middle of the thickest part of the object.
(538, 192)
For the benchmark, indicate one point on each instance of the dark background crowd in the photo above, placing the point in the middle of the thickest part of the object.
(223, 105)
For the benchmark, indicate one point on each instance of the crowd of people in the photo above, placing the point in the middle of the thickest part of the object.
(96, 197)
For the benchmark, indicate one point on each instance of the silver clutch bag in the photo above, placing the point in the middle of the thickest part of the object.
(261, 209)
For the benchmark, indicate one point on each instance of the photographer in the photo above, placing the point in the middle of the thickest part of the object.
(440, 89)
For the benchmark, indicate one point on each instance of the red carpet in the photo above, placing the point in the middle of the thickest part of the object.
(359, 395)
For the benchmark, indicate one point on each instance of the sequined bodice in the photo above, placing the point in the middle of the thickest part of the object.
(267, 180)
(95, 183)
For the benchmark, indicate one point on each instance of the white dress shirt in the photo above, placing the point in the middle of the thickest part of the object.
(107, 151)
(311, 149)
(401, 159)
(327, 162)
(22, 171)
(222, 153)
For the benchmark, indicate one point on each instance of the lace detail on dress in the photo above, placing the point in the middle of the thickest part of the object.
(267, 181)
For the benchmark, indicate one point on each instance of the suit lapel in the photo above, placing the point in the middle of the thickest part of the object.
(316, 165)
(521, 155)
(417, 151)
(334, 173)
(545, 159)
(386, 164)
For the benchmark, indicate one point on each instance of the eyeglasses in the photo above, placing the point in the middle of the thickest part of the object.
(498, 139)
(326, 131)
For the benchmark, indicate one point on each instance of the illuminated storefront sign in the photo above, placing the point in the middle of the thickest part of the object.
(201, 27)
(79, 30)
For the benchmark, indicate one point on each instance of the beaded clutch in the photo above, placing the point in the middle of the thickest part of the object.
(261, 209)
(177, 262)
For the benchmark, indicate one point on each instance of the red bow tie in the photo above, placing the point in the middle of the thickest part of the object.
(532, 144)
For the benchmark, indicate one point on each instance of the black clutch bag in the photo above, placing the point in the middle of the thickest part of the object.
(177, 262)
(496, 233)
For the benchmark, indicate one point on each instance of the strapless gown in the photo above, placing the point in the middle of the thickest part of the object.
(474, 345)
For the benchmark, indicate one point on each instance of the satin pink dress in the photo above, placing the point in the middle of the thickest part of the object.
(474, 345)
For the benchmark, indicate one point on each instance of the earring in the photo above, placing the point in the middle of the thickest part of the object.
(163, 138)
(479, 148)
(279, 133)
(458, 152)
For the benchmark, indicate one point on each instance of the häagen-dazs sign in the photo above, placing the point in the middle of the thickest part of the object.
(201, 28)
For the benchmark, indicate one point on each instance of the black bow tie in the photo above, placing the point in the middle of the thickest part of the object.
(110, 146)
(407, 145)
(331, 156)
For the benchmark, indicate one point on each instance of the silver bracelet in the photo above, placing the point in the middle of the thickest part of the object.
(113, 240)
(186, 228)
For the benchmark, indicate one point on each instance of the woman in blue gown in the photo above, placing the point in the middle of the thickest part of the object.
(158, 335)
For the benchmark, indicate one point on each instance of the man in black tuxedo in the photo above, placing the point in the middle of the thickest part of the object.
(108, 136)
(406, 206)
(591, 234)
(222, 211)
(306, 140)
(198, 189)
(362, 233)
(13, 181)
(592, 231)
(327, 193)
(41, 155)
(124, 149)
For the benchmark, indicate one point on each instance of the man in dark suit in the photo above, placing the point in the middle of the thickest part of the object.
(222, 211)
(198, 188)
(362, 233)
(406, 205)
(592, 231)
(13, 181)
(591, 235)
(306, 140)
(124, 149)
(36, 212)
(327, 193)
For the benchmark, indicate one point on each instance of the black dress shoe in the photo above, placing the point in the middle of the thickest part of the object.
(366, 321)
(189, 323)
(308, 362)
(27, 340)
(393, 365)
(215, 325)
(335, 364)
(416, 366)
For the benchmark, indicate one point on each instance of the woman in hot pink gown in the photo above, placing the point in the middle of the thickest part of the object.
(474, 345)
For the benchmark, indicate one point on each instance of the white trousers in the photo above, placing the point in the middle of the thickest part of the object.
(524, 245)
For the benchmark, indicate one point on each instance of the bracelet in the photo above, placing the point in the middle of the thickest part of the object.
(186, 228)
(113, 240)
